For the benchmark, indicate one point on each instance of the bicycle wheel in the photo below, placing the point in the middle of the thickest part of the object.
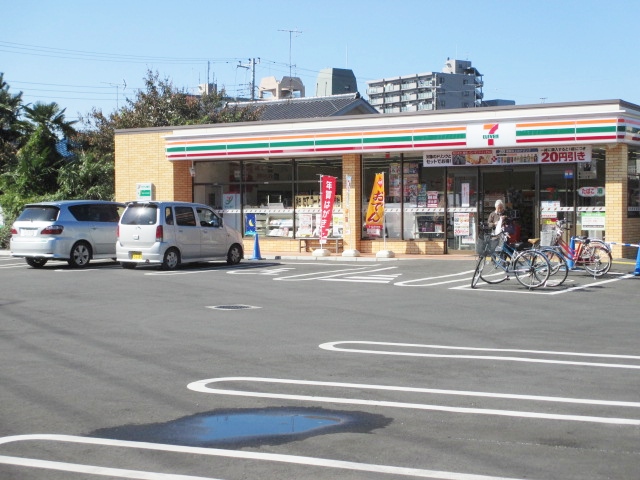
(559, 268)
(494, 269)
(476, 273)
(532, 269)
(596, 259)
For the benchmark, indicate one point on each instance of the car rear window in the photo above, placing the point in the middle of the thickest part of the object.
(95, 213)
(39, 213)
(140, 215)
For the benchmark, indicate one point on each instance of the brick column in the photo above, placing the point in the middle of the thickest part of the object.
(352, 165)
(616, 195)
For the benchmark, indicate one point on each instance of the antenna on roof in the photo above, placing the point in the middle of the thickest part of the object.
(291, 32)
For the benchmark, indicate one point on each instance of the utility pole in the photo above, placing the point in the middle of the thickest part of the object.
(252, 66)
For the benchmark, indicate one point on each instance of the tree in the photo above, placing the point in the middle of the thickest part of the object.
(11, 127)
(87, 177)
(50, 119)
(160, 104)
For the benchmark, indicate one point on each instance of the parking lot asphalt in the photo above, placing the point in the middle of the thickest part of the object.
(365, 257)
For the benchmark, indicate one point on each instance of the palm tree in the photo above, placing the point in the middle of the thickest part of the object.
(10, 125)
(50, 118)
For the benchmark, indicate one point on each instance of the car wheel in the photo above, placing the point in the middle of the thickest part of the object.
(171, 259)
(234, 255)
(36, 262)
(80, 255)
(128, 265)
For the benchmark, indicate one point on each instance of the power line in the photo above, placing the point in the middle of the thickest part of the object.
(43, 51)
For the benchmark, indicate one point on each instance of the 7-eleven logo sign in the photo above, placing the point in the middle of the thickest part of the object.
(490, 134)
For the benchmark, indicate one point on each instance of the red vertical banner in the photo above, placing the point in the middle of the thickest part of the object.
(327, 197)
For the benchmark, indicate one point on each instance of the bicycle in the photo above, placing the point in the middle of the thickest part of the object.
(495, 265)
(592, 254)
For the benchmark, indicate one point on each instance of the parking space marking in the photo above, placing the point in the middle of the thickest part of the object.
(13, 265)
(213, 452)
(334, 274)
(432, 283)
(364, 279)
(333, 346)
(271, 271)
(551, 290)
(202, 386)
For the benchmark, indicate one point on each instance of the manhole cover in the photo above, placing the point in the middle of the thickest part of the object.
(232, 307)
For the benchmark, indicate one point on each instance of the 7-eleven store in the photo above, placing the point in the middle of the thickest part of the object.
(443, 172)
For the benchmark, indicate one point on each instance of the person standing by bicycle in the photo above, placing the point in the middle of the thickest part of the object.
(498, 218)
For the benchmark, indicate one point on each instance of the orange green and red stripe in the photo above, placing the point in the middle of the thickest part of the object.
(567, 131)
(308, 144)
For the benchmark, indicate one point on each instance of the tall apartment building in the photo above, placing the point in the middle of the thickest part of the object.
(459, 85)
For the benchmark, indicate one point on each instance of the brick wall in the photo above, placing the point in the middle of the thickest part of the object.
(619, 228)
(140, 157)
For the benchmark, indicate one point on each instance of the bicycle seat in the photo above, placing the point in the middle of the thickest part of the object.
(533, 241)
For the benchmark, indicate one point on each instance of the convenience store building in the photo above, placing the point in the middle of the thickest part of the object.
(443, 172)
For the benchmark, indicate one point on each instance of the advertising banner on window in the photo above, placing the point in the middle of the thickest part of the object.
(509, 156)
(250, 224)
(461, 224)
(593, 220)
(328, 194)
(374, 221)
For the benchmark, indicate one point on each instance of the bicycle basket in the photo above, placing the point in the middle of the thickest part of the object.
(485, 245)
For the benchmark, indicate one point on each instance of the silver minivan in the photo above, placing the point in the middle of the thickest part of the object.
(72, 230)
(169, 234)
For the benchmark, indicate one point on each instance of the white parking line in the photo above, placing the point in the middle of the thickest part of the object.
(485, 287)
(431, 283)
(333, 346)
(202, 386)
(213, 452)
(334, 273)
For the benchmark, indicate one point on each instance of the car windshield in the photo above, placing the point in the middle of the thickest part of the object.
(140, 215)
(39, 213)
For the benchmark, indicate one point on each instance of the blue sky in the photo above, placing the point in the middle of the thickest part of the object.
(80, 54)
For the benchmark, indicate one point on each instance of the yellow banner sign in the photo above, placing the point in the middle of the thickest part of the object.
(374, 220)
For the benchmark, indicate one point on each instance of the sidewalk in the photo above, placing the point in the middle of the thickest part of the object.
(365, 257)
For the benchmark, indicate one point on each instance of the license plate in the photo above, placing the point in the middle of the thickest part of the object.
(136, 255)
(28, 232)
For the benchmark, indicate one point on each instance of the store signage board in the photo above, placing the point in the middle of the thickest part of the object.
(593, 220)
(591, 191)
(144, 191)
(508, 156)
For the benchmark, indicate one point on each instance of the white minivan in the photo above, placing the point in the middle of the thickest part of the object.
(172, 233)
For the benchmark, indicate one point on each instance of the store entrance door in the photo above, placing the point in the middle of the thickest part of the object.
(517, 188)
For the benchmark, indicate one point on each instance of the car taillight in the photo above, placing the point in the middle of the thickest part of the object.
(52, 230)
(14, 231)
(159, 234)
(118, 231)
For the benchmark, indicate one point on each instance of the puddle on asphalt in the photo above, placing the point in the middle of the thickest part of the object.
(247, 427)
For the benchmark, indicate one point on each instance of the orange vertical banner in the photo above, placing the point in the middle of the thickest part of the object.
(374, 221)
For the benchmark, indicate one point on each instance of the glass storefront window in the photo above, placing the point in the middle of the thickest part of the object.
(391, 167)
(271, 197)
(590, 199)
(462, 207)
(424, 210)
(307, 196)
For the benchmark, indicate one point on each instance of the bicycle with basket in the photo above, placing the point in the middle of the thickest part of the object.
(498, 260)
(589, 253)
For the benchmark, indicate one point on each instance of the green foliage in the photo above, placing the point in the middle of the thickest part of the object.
(11, 127)
(31, 169)
(87, 177)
